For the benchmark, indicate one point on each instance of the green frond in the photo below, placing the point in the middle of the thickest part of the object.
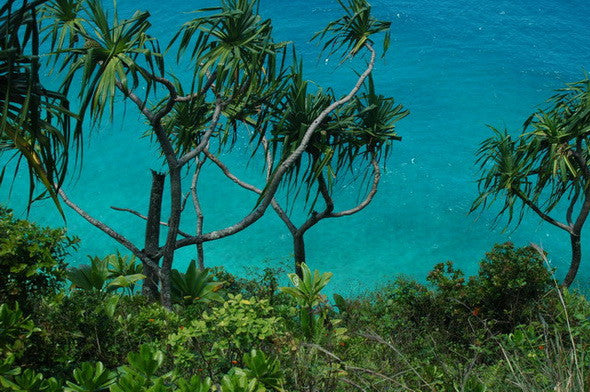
(355, 29)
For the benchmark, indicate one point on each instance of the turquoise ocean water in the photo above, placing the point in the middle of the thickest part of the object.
(457, 65)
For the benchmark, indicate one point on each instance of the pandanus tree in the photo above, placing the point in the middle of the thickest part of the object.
(545, 169)
(34, 120)
(237, 85)
(353, 141)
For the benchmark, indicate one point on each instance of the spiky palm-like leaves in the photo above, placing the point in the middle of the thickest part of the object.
(230, 43)
(353, 30)
(376, 120)
(35, 122)
(235, 50)
(109, 53)
(299, 109)
(546, 166)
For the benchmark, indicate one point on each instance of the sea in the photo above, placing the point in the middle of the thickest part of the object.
(458, 66)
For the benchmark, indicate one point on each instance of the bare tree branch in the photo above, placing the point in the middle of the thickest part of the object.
(136, 100)
(205, 139)
(539, 212)
(109, 231)
(275, 205)
(198, 210)
(275, 179)
(370, 195)
(138, 214)
(208, 84)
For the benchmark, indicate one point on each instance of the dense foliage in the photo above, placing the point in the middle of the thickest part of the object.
(31, 259)
(508, 328)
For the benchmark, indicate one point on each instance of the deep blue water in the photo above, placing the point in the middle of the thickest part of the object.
(457, 65)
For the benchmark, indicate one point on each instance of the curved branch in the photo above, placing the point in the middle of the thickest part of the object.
(275, 179)
(370, 195)
(583, 164)
(206, 87)
(198, 209)
(275, 205)
(268, 156)
(318, 216)
(138, 214)
(109, 231)
(135, 99)
(154, 120)
(570, 208)
(205, 140)
(541, 214)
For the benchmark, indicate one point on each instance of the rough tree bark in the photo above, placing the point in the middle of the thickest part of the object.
(576, 245)
(152, 235)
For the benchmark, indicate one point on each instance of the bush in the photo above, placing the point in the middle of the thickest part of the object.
(218, 339)
(74, 329)
(506, 292)
(31, 260)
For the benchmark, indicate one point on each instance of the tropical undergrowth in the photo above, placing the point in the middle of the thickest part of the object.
(508, 328)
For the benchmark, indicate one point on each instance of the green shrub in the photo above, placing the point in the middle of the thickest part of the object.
(218, 339)
(144, 321)
(31, 260)
(509, 286)
(77, 328)
(15, 330)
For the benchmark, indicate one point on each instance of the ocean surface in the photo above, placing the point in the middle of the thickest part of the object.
(457, 65)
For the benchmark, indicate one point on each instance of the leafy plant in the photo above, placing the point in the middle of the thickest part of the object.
(306, 292)
(193, 384)
(30, 381)
(91, 277)
(141, 374)
(91, 377)
(109, 273)
(195, 285)
(222, 334)
(15, 329)
(267, 371)
(239, 382)
(32, 260)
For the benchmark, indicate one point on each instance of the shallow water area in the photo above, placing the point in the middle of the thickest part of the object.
(455, 65)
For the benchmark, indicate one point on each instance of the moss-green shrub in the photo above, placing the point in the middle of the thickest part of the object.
(218, 339)
(31, 260)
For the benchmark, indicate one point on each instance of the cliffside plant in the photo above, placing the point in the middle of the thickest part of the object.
(15, 330)
(195, 285)
(30, 381)
(91, 377)
(220, 336)
(265, 370)
(109, 273)
(238, 88)
(306, 291)
(546, 169)
(32, 260)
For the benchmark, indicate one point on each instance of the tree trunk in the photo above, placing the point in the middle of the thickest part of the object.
(576, 258)
(170, 247)
(200, 256)
(152, 235)
(299, 251)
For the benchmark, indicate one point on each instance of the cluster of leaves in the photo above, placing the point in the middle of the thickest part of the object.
(219, 337)
(35, 121)
(32, 260)
(507, 291)
(504, 326)
(107, 274)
